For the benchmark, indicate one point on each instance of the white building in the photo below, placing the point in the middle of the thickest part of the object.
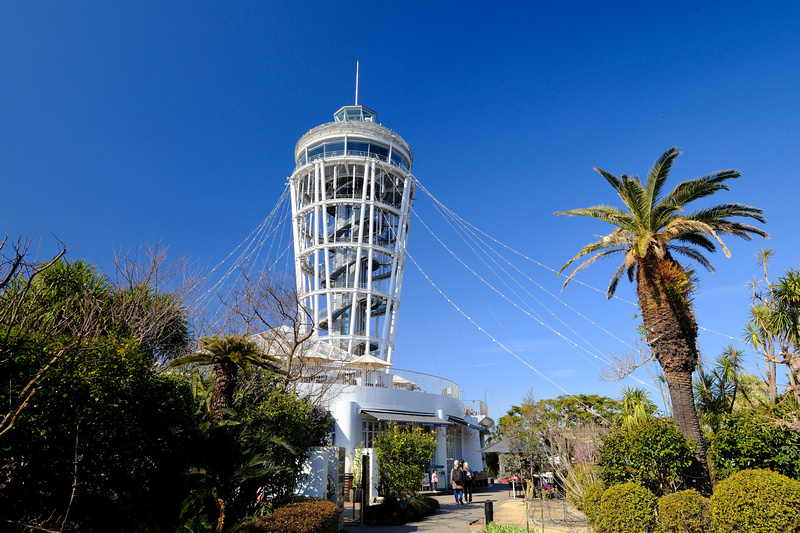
(351, 193)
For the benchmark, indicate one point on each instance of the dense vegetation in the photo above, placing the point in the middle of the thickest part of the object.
(97, 436)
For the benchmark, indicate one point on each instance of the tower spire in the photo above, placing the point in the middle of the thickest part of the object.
(356, 82)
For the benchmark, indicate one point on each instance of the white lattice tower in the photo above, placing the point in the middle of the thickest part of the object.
(351, 194)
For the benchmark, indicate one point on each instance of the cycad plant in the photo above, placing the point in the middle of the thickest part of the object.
(653, 225)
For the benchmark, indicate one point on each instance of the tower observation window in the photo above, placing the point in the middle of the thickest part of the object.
(355, 148)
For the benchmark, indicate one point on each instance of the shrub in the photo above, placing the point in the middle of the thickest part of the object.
(403, 454)
(313, 516)
(592, 498)
(686, 511)
(497, 528)
(396, 509)
(652, 453)
(421, 506)
(756, 501)
(626, 508)
(751, 440)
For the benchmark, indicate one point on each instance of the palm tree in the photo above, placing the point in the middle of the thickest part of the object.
(636, 406)
(647, 232)
(725, 388)
(227, 354)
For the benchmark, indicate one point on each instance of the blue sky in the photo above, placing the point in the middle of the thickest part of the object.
(176, 122)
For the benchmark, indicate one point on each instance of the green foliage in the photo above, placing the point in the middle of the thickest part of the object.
(95, 399)
(592, 500)
(284, 427)
(756, 501)
(421, 506)
(686, 511)
(491, 527)
(576, 409)
(626, 508)
(395, 510)
(653, 453)
(315, 516)
(752, 440)
(403, 455)
(264, 446)
(523, 428)
(492, 463)
(636, 406)
(357, 457)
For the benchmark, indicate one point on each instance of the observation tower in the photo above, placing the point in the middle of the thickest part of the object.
(351, 194)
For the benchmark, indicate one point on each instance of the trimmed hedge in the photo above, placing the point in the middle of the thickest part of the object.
(626, 508)
(686, 511)
(422, 506)
(756, 501)
(592, 498)
(394, 511)
(313, 516)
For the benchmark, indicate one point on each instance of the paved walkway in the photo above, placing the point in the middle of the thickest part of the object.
(450, 518)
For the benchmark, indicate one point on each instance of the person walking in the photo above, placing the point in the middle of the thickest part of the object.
(457, 482)
(469, 482)
(435, 481)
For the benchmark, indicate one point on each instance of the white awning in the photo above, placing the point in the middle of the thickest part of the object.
(405, 417)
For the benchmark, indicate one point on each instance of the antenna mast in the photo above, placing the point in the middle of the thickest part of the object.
(356, 82)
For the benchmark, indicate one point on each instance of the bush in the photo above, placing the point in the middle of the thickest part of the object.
(592, 498)
(497, 528)
(422, 506)
(751, 440)
(403, 455)
(652, 453)
(313, 516)
(756, 501)
(686, 511)
(395, 509)
(626, 508)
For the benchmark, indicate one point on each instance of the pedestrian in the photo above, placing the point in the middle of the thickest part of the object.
(457, 482)
(469, 482)
(435, 480)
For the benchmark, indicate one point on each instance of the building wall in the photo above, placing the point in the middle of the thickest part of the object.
(346, 403)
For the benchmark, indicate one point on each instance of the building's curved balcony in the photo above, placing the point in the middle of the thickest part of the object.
(345, 373)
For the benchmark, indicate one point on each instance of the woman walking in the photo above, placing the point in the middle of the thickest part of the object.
(457, 482)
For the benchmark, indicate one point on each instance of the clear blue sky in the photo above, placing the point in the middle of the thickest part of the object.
(176, 122)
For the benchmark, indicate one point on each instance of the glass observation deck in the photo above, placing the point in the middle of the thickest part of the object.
(355, 113)
(353, 147)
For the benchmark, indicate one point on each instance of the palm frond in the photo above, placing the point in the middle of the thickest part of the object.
(612, 285)
(610, 178)
(614, 239)
(657, 176)
(612, 215)
(635, 198)
(695, 255)
(694, 189)
(591, 260)
(696, 239)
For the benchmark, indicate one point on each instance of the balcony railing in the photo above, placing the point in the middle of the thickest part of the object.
(342, 373)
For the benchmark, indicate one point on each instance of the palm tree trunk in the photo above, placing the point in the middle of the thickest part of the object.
(225, 373)
(664, 289)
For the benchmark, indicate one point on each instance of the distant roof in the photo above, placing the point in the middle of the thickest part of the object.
(500, 446)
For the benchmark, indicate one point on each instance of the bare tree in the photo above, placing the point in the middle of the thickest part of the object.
(154, 298)
(265, 307)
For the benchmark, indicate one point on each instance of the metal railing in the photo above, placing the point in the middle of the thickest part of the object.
(344, 373)
(476, 408)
